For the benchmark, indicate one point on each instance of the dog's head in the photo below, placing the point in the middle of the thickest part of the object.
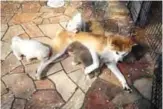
(122, 44)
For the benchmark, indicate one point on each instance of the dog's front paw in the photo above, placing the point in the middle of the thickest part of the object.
(127, 88)
(37, 77)
(74, 63)
(86, 71)
(20, 58)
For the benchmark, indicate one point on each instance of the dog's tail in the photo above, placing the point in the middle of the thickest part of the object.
(45, 63)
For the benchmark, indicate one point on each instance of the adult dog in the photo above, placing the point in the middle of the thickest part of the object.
(111, 49)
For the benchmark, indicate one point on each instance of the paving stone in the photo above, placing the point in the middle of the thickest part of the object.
(21, 18)
(108, 76)
(63, 84)
(124, 98)
(136, 70)
(143, 104)
(44, 84)
(76, 4)
(5, 18)
(63, 24)
(4, 27)
(10, 8)
(9, 64)
(19, 104)
(46, 9)
(55, 68)
(68, 66)
(80, 78)
(50, 14)
(76, 101)
(100, 95)
(43, 2)
(37, 21)
(70, 11)
(7, 100)
(19, 69)
(32, 30)
(45, 99)
(31, 7)
(31, 69)
(12, 31)
(2, 34)
(24, 36)
(45, 21)
(20, 84)
(45, 40)
(131, 106)
(3, 88)
(58, 19)
(144, 86)
(50, 29)
(6, 49)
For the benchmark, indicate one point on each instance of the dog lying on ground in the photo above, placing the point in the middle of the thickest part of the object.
(81, 55)
(110, 49)
(30, 49)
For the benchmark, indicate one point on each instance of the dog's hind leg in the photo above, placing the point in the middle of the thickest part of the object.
(45, 63)
(113, 67)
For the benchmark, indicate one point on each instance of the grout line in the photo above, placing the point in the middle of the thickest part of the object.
(70, 97)
(72, 80)
(25, 31)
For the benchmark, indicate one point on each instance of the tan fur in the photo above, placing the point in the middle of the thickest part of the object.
(97, 42)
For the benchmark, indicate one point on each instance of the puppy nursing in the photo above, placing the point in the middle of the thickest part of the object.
(30, 49)
(81, 55)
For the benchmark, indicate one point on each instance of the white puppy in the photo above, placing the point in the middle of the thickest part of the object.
(30, 49)
(76, 23)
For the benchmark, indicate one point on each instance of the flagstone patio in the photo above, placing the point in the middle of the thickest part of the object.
(66, 86)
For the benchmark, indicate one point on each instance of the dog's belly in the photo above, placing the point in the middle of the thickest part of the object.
(109, 57)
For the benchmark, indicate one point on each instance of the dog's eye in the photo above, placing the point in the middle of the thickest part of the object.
(117, 53)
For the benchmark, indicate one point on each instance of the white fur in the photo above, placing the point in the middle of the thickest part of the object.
(29, 48)
(75, 23)
(95, 63)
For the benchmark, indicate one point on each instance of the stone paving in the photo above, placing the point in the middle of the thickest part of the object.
(66, 86)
